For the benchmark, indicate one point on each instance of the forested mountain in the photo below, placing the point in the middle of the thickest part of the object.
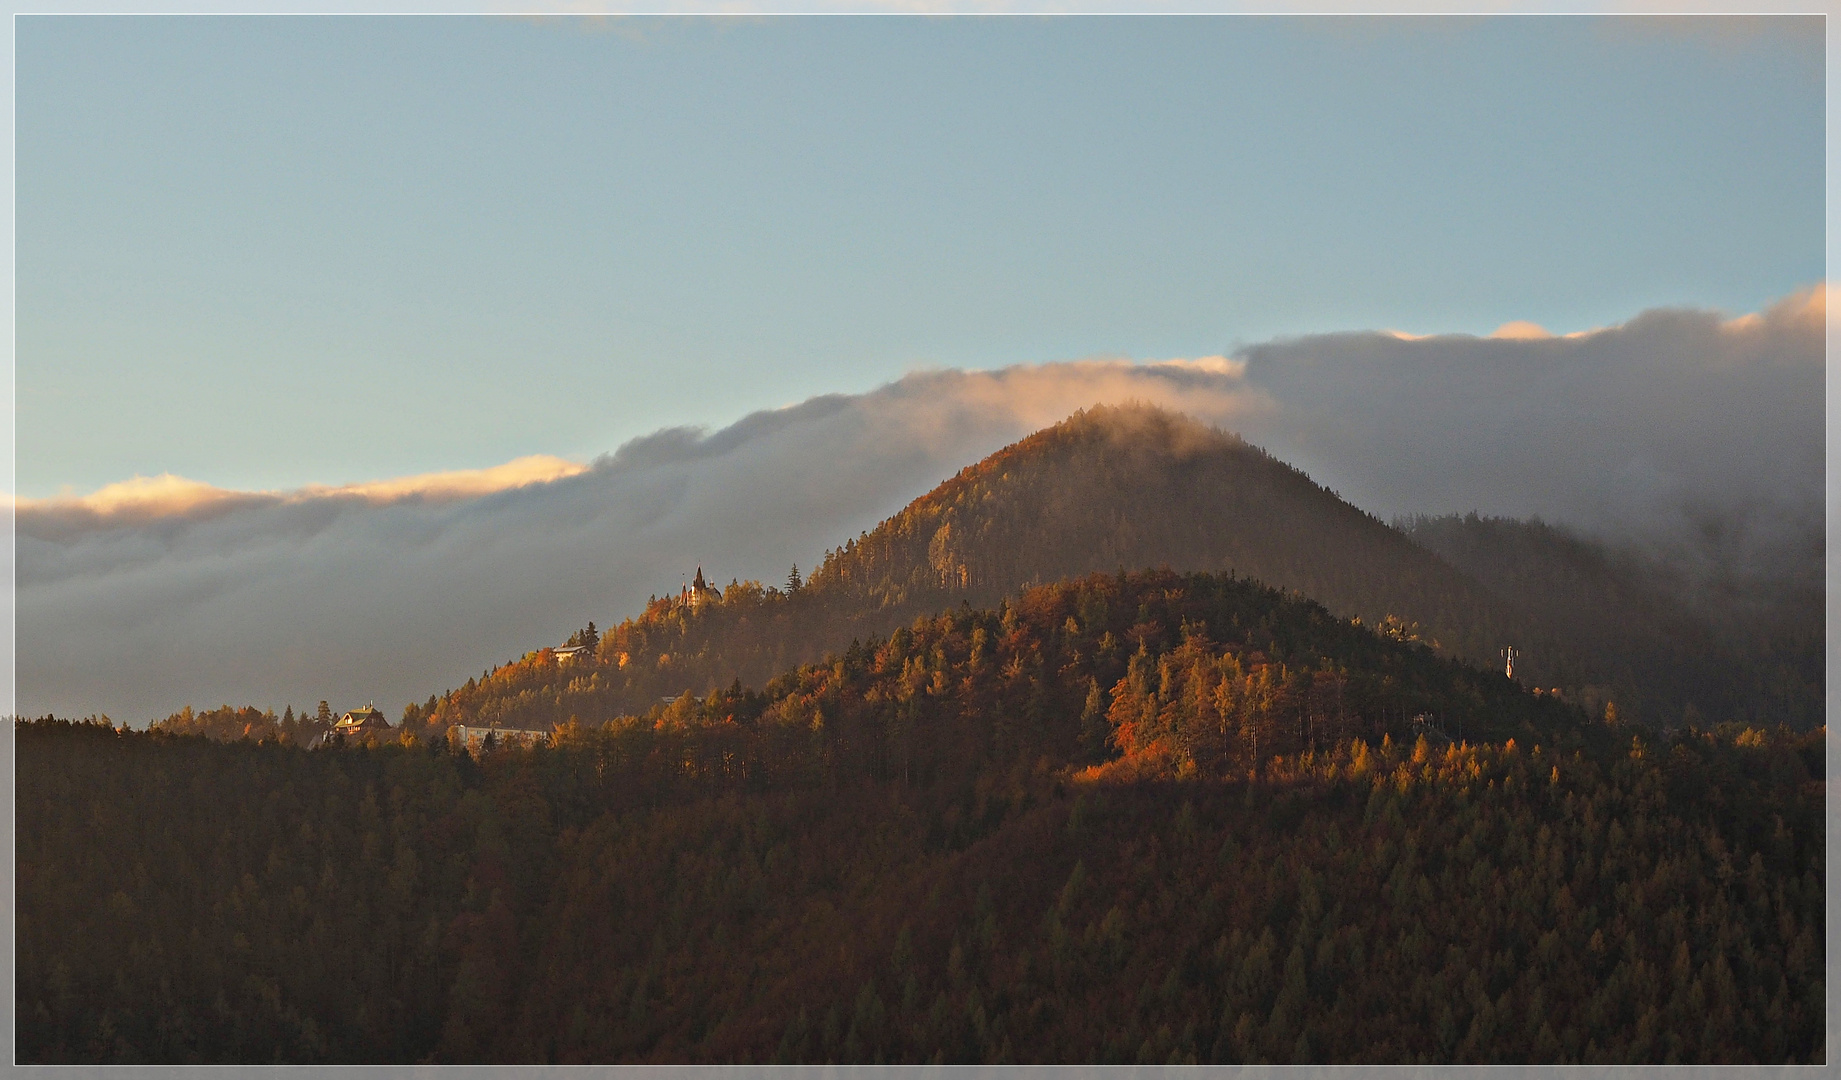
(1111, 488)
(1135, 488)
(1127, 818)
(1671, 649)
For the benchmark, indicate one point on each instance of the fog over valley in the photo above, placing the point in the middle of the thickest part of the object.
(1689, 433)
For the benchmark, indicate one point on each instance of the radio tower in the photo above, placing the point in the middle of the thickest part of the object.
(1508, 656)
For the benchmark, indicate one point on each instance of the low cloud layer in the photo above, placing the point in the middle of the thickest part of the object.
(147, 500)
(159, 593)
(1694, 433)
(288, 598)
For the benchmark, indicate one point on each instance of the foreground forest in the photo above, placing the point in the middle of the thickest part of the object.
(1129, 818)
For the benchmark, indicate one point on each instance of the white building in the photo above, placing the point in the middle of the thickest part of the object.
(473, 739)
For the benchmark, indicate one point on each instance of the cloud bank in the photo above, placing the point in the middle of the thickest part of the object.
(1697, 434)
(148, 499)
(161, 592)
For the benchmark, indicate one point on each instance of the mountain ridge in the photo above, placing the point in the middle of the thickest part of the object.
(1110, 488)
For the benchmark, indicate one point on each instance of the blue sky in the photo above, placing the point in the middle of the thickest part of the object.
(263, 252)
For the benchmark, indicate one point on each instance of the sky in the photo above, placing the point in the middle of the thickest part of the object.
(354, 355)
(267, 252)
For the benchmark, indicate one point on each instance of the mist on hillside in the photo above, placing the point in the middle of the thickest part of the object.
(1696, 437)
(1693, 435)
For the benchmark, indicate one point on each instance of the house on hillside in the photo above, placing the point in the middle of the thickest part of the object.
(569, 654)
(358, 722)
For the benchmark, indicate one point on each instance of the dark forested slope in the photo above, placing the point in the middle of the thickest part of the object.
(1668, 647)
(1143, 818)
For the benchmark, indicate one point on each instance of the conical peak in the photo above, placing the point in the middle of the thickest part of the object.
(1142, 423)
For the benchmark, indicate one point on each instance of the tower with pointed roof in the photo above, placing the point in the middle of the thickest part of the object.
(700, 592)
